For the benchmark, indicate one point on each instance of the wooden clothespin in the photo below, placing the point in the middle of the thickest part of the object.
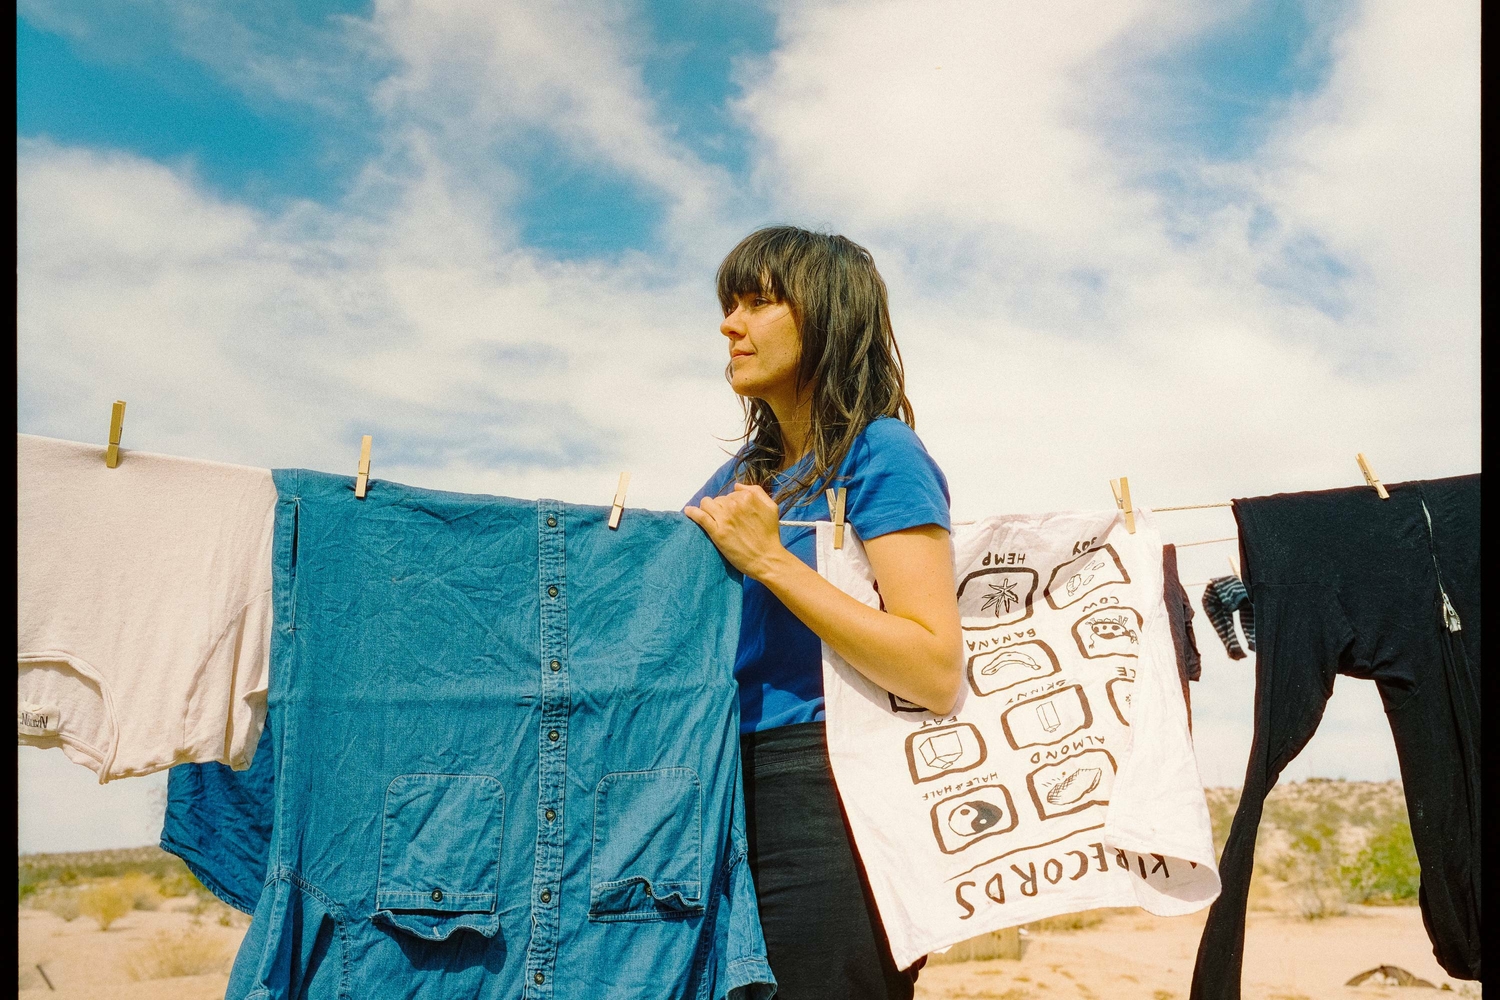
(116, 426)
(362, 477)
(836, 510)
(1370, 478)
(618, 507)
(1121, 488)
(1234, 567)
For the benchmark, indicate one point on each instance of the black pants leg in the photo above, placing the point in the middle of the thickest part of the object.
(823, 935)
(1344, 582)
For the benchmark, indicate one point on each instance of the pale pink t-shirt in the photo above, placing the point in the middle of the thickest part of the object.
(144, 607)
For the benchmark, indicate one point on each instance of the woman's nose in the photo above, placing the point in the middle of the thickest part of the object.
(734, 324)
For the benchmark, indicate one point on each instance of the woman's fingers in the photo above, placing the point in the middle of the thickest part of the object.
(751, 500)
(700, 517)
(723, 509)
(711, 516)
(755, 494)
(742, 524)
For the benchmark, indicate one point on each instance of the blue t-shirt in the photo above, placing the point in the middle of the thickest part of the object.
(892, 484)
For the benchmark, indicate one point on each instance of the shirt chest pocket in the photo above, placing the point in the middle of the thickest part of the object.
(440, 855)
(647, 859)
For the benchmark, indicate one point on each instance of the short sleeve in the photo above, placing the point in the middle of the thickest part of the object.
(715, 484)
(893, 483)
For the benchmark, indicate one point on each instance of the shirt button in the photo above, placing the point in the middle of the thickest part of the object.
(552, 736)
(539, 978)
(551, 522)
(551, 815)
(437, 895)
(648, 890)
(551, 592)
(556, 665)
(546, 895)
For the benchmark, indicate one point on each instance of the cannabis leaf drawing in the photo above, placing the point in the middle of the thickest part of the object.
(1001, 597)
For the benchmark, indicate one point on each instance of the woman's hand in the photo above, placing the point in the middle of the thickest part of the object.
(913, 648)
(745, 525)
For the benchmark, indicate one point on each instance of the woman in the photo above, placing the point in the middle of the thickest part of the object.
(813, 357)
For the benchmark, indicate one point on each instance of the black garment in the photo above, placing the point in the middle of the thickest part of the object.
(1221, 598)
(823, 935)
(1180, 618)
(1346, 583)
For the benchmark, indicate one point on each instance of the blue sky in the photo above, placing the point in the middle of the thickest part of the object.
(130, 82)
(1221, 92)
(1216, 247)
(136, 91)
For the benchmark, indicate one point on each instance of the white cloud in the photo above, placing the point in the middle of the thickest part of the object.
(274, 339)
(1095, 336)
(1384, 164)
(490, 76)
(948, 118)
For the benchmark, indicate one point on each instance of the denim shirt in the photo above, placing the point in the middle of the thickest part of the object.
(505, 753)
(218, 821)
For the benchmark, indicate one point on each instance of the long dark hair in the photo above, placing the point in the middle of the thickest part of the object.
(849, 354)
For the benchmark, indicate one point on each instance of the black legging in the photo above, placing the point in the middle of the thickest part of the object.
(1346, 583)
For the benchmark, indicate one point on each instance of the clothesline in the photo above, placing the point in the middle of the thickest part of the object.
(1180, 545)
(1154, 510)
(1208, 541)
(1192, 506)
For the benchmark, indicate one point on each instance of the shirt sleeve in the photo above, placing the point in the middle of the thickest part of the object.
(893, 483)
(715, 484)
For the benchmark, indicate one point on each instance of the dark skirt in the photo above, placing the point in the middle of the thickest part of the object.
(823, 935)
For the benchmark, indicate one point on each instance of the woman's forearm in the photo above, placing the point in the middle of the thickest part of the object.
(903, 656)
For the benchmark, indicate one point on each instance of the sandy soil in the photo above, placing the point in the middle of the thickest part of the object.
(1137, 956)
(85, 963)
(1131, 956)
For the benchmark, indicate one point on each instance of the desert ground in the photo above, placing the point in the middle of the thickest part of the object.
(134, 925)
(1126, 956)
(81, 961)
(1135, 956)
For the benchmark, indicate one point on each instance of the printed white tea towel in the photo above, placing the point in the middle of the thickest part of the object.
(1064, 779)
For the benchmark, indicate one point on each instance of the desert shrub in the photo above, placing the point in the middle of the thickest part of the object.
(1312, 868)
(26, 886)
(188, 953)
(106, 901)
(151, 873)
(1222, 802)
(1262, 897)
(61, 901)
(1072, 921)
(1387, 870)
(179, 882)
(142, 889)
(209, 906)
(68, 869)
(1067, 922)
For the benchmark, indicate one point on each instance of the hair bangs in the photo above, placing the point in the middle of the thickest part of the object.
(759, 265)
